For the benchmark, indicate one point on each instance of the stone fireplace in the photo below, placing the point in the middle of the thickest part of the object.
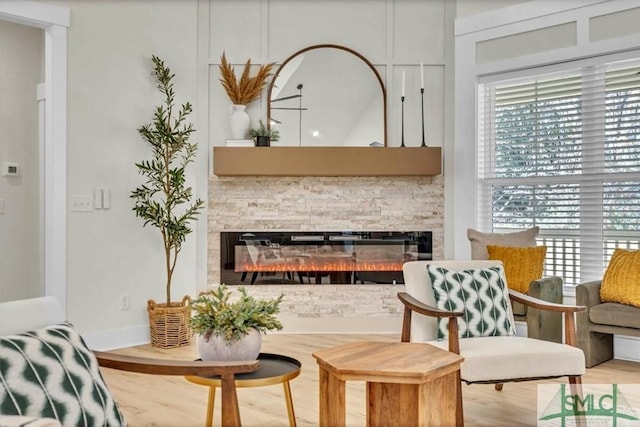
(312, 204)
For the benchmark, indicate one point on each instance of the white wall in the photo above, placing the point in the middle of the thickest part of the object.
(21, 69)
(110, 95)
(466, 8)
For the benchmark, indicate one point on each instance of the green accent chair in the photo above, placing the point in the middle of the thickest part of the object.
(541, 324)
(600, 322)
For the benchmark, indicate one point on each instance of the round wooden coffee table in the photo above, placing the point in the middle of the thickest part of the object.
(274, 369)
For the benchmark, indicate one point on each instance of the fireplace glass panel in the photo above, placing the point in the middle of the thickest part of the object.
(320, 257)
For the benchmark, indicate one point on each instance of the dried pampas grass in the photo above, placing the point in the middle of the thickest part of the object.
(248, 88)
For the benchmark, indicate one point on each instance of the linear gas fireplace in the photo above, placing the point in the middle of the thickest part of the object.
(347, 257)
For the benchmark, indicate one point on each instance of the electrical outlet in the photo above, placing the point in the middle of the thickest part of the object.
(124, 301)
(10, 169)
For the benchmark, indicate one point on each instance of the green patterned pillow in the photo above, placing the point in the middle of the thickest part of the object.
(51, 373)
(481, 294)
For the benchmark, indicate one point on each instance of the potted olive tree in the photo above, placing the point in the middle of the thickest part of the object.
(166, 203)
(232, 329)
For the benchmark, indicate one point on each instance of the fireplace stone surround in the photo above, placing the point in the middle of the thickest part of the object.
(327, 203)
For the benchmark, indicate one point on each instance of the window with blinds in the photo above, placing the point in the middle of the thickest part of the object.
(562, 151)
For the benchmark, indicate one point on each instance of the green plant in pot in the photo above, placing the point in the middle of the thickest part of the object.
(231, 329)
(264, 135)
(166, 203)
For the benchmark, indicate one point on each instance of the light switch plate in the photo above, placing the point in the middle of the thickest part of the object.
(106, 198)
(81, 203)
(97, 198)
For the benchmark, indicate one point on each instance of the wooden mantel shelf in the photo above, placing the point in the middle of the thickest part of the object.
(327, 161)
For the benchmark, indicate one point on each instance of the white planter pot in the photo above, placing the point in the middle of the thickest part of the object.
(215, 348)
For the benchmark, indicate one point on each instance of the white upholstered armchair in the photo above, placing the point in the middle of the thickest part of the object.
(492, 353)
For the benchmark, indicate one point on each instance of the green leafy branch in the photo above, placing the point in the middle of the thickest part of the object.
(215, 314)
(159, 201)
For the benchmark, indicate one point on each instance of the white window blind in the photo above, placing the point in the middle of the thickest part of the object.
(562, 151)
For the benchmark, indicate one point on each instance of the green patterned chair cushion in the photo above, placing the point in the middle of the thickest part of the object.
(480, 293)
(51, 373)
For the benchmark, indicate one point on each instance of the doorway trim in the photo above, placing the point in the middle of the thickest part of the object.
(54, 20)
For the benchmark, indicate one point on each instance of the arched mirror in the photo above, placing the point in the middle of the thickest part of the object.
(328, 95)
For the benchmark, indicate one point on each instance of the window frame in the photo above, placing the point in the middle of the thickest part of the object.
(461, 207)
(588, 249)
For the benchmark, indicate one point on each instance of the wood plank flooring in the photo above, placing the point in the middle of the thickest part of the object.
(148, 400)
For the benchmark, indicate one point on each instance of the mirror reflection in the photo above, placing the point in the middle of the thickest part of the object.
(327, 95)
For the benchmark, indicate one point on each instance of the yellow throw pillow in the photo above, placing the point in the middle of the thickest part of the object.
(621, 281)
(521, 265)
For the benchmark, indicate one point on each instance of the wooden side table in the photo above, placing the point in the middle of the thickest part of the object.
(274, 369)
(408, 384)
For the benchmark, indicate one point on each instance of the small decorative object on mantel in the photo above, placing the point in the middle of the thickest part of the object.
(402, 114)
(239, 121)
(264, 136)
(166, 203)
(424, 144)
(242, 92)
(240, 143)
(232, 330)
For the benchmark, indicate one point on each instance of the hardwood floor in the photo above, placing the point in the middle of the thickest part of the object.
(148, 400)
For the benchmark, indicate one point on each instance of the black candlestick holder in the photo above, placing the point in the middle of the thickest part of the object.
(424, 144)
(402, 122)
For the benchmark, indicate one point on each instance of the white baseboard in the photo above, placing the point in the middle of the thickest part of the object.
(139, 335)
(626, 348)
(521, 329)
(118, 338)
(344, 325)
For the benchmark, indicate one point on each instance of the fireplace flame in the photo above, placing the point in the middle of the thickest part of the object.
(320, 266)
(283, 259)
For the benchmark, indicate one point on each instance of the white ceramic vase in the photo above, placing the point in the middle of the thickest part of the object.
(239, 121)
(215, 348)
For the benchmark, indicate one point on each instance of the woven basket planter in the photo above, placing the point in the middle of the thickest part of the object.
(169, 325)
